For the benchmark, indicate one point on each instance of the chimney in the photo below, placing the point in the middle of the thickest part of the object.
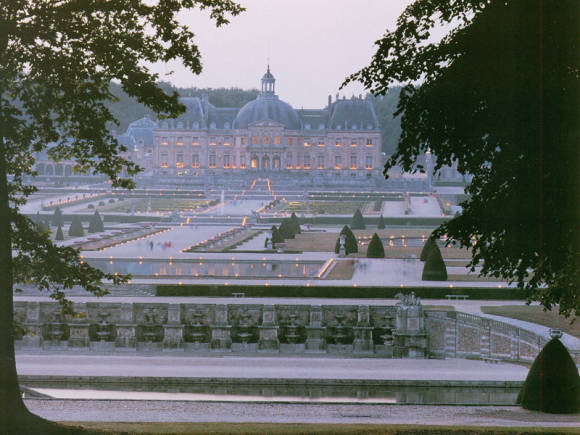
(205, 101)
(329, 101)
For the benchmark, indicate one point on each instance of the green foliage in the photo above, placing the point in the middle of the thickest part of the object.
(59, 235)
(498, 94)
(552, 384)
(295, 223)
(276, 237)
(429, 245)
(96, 223)
(357, 222)
(434, 268)
(286, 229)
(376, 248)
(381, 223)
(57, 218)
(350, 243)
(76, 228)
(385, 108)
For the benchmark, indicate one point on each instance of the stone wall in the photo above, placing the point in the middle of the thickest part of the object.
(404, 330)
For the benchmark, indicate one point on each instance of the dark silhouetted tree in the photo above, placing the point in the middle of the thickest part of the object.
(76, 228)
(427, 248)
(498, 95)
(286, 229)
(295, 223)
(57, 218)
(57, 60)
(96, 223)
(381, 223)
(376, 248)
(59, 235)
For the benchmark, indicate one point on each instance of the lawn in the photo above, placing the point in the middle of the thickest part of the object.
(326, 207)
(536, 314)
(309, 428)
(157, 204)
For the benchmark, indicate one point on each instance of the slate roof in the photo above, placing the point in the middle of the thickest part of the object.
(353, 114)
(268, 107)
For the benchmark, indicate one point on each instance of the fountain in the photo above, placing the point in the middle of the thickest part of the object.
(55, 330)
(197, 329)
(245, 328)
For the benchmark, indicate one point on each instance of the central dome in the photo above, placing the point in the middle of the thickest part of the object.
(267, 107)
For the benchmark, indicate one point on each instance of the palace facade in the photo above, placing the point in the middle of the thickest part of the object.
(265, 135)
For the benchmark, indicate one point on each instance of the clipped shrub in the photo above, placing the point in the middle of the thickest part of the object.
(91, 206)
(427, 248)
(101, 202)
(378, 204)
(286, 229)
(552, 384)
(96, 223)
(57, 218)
(59, 234)
(76, 228)
(376, 248)
(350, 244)
(111, 201)
(295, 223)
(434, 268)
(276, 237)
(357, 222)
(381, 223)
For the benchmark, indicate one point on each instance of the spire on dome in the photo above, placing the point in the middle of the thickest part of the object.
(268, 83)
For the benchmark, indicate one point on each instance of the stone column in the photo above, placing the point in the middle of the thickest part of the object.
(126, 329)
(33, 326)
(79, 330)
(363, 332)
(268, 330)
(315, 332)
(221, 339)
(173, 329)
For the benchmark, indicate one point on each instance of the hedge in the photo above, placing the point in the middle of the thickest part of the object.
(346, 292)
(345, 220)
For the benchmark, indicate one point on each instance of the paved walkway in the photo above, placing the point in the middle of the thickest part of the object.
(259, 367)
(151, 411)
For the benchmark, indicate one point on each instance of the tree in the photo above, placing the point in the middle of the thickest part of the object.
(59, 235)
(286, 229)
(434, 268)
(276, 237)
(381, 223)
(57, 218)
(498, 94)
(357, 222)
(429, 245)
(57, 60)
(295, 223)
(96, 223)
(76, 227)
(350, 243)
(552, 384)
(376, 248)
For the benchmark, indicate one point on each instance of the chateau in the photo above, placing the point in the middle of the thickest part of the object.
(266, 134)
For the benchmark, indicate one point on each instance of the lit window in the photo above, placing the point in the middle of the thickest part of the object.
(369, 142)
(266, 140)
(306, 161)
(276, 140)
(254, 140)
(226, 160)
(243, 140)
(320, 164)
(179, 141)
(164, 141)
(288, 161)
(337, 143)
(306, 141)
(195, 161)
(337, 162)
(212, 160)
(212, 140)
(227, 141)
(163, 160)
(195, 141)
(288, 141)
(352, 162)
(369, 162)
(254, 162)
(353, 143)
(242, 165)
(320, 142)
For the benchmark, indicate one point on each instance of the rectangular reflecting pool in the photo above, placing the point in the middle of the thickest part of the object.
(208, 268)
(309, 393)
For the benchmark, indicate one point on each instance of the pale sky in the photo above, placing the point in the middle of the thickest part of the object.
(313, 46)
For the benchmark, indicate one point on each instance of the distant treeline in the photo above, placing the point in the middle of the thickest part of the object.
(127, 109)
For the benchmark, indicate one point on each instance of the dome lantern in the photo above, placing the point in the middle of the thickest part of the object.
(268, 83)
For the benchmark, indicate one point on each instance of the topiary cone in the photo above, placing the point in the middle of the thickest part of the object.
(376, 248)
(552, 384)
(434, 268)
(427, 247)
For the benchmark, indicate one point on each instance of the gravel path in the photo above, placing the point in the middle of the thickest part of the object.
(150, 411)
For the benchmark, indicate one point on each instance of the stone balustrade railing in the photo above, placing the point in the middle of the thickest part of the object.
(385, 331)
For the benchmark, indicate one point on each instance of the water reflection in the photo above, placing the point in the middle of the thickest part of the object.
(209, 268)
